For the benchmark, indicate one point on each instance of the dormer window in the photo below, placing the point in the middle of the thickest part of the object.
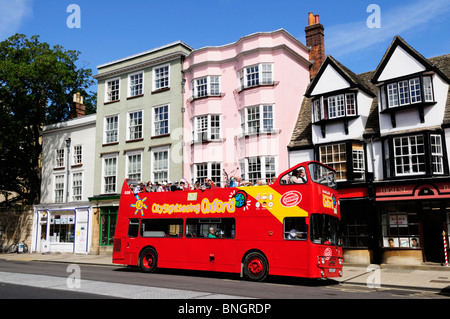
(334, 106)
(406, 92)
(413, 92)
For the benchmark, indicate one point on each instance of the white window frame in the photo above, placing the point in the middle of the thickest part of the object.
(350, 104)
(77, 157)
(77, 186)
(264, 174)
(59, 186)
(256, 75)
(155, 120)
(392, 95)
(437, 154)
(428, 89)
(154, 169)
(133, 137)
(209, 129)
(134, 169)
(107, 129)
(60, 156)
(408, 165)
(108, 93)
(260, 116)
(414, 88)
(131, 84)
(111, 172)
(358, 162)
(205, 86)
(207, 170)
(406, 92)
(156, 86)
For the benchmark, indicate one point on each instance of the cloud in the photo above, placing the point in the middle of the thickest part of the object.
(351, 37)
(12, 14)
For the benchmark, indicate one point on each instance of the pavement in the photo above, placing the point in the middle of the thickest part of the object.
(432, 277)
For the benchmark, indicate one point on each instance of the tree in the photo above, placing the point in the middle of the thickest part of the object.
(37, 84)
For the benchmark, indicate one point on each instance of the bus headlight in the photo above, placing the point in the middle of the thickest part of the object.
(323, 260)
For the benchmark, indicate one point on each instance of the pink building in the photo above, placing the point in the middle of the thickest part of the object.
(241, 103)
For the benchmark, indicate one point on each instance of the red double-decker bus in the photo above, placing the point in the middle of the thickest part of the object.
(288, 228)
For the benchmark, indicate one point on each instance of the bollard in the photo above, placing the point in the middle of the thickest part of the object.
(445, 249)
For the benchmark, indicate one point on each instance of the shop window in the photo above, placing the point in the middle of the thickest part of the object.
(108, 221)
(355, 225)
(62, 227)
(400, 226)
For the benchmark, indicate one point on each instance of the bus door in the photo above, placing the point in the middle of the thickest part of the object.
(129, 243)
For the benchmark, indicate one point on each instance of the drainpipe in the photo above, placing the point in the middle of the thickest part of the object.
(183, 82)
(68, 141)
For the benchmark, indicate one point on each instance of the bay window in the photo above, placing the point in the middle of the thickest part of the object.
(412, 155)
(205, 86)
(334, 106)
(257, 119)
(206, 128)
(255, 75)
(405, 92)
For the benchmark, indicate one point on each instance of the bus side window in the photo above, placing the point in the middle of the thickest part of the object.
(199, 227)
(171, 227)
(133, 228)
(295, 228)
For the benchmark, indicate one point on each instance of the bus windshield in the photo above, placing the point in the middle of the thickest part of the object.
(322, 175)
(325, 230)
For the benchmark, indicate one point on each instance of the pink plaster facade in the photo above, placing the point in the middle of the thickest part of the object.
(241, 103)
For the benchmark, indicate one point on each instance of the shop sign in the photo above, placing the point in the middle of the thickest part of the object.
(353, 192)
(398, 220)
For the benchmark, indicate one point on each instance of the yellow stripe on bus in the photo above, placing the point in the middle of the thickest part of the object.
(270, 199)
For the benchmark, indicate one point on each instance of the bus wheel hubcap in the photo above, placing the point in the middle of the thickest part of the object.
(255, 266)
(148, 260)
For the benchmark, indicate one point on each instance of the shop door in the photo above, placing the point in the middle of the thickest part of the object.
(432, 227)
(81, 231)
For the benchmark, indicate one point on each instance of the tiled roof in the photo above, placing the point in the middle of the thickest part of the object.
(302, 134)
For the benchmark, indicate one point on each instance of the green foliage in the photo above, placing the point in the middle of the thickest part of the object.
(37, 84)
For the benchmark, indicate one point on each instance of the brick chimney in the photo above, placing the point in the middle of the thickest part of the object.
(315, 41)
(77, 107)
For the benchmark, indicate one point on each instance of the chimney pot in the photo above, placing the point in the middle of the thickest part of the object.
(311, 19)
(316, 18)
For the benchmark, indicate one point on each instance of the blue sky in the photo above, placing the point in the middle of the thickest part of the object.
(114, 29)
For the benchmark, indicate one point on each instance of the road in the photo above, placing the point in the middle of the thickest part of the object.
(28, 279)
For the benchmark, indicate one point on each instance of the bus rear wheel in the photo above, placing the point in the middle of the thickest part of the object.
(148, 260)
(256, 267)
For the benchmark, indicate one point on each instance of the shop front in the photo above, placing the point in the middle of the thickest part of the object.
(62, 229)
(413, 219)
(359, 225)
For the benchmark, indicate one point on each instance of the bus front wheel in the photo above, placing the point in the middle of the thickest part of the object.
(148, 260)
(256, 267)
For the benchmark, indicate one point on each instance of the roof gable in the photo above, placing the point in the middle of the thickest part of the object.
(330, 80)
(400, 60)
(400, 63)
(334, 76)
